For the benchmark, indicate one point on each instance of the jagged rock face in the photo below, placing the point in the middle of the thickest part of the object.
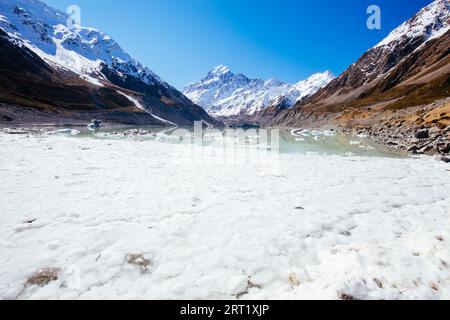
(224, 93)
(409, 67)
(95, 58)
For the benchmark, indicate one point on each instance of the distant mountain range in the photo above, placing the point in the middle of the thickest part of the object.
(223, 93)
(49, 71)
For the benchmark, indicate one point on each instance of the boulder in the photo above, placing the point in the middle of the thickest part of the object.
(445, 148)
(435, 131)
(425, 149)
(423, 134)
(413, 149)
(392, 143)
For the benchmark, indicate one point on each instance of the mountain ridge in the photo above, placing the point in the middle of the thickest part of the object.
(223, 93)
(391, 73)
(99, 62)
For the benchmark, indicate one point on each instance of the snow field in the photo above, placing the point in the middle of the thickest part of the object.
(126, 219)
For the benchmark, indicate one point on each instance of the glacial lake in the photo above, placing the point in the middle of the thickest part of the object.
(309, 142)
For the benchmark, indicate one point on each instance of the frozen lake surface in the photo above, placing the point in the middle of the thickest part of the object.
(106, 216)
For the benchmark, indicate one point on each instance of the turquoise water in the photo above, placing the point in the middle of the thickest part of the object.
(290, 141)
(300, 141)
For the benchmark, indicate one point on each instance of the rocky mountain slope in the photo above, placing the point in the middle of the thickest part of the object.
(86, 72)
(33, 92)
(404, 77)
(226, 94)
(409, 67)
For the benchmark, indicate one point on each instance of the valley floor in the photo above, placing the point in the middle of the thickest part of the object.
(105, 218)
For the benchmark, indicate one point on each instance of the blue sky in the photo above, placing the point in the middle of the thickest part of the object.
(286, 39)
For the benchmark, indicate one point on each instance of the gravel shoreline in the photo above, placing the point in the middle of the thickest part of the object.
(418, 130)
(429, 141)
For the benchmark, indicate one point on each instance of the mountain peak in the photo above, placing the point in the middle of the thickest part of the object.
(430, 22)
(321, 75)
(220, 70)
(328, 73)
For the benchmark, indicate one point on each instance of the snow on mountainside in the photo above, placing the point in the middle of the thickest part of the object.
(224, 93)
(431, 22)
(81, 50)
(93, 56)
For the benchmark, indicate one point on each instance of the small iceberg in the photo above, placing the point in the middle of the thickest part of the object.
(163, 137)
(329, 133)
(95, 124)
(69, 132)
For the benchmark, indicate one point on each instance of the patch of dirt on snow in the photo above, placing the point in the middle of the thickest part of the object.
(139, 261)
(43, 277)
(346, 297)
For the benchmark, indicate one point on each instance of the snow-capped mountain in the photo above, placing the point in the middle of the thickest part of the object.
(410, 67)
(82, 50)
(95, 57)
(224, 93)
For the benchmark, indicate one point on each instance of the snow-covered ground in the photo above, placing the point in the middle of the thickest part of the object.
(124, 218)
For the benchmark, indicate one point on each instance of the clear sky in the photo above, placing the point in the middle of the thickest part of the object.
(286, 39)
